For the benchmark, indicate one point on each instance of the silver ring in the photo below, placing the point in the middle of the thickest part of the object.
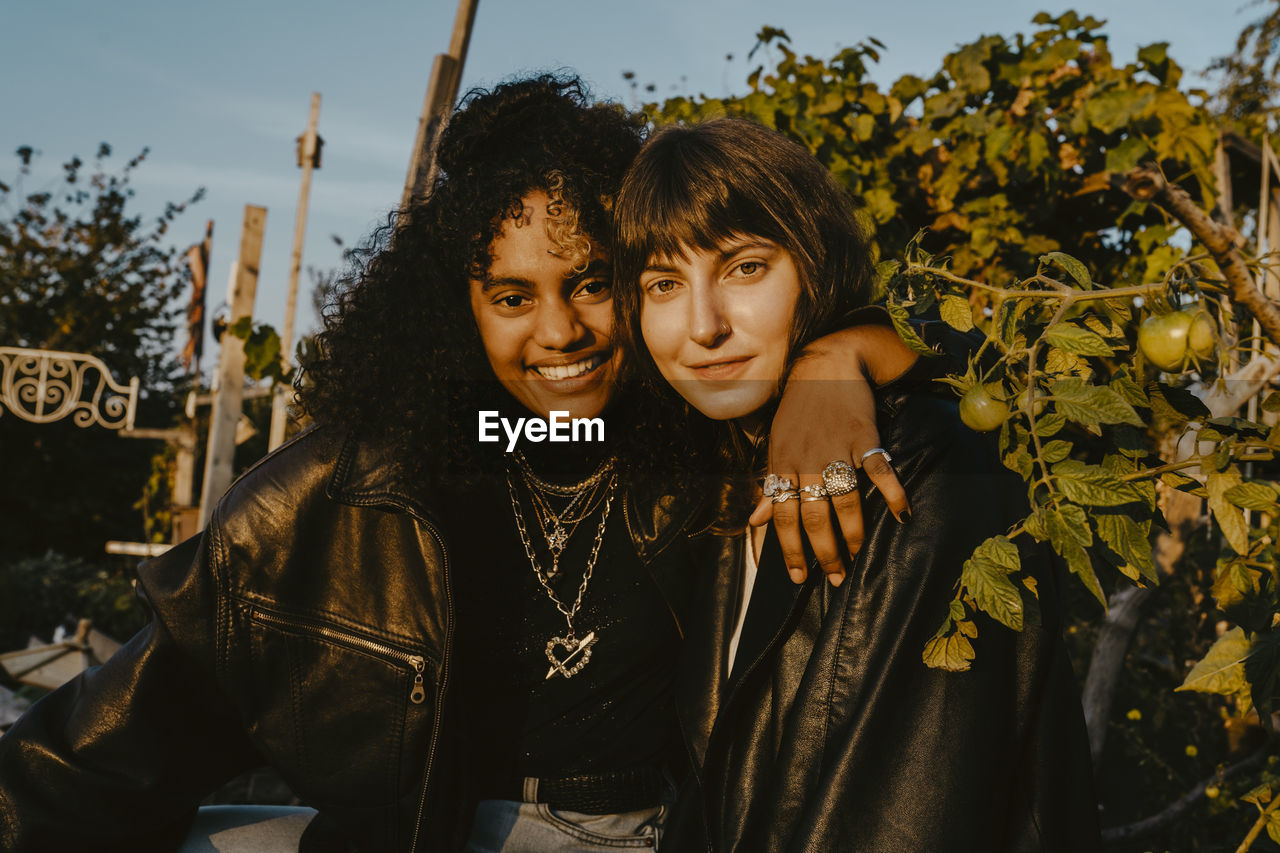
(775, 485)
(839, 478)
(784, 496)
(872, 452)
(805, 499)
(816, 491)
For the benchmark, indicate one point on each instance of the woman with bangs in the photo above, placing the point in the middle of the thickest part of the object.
(822, 729)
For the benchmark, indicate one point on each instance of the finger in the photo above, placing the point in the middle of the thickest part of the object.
(816, 518)
(848, 509)
(786, 521)
(762, 514)
(881, 472)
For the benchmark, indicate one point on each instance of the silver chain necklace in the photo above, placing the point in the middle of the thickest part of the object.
(558, 526)
(576, 652)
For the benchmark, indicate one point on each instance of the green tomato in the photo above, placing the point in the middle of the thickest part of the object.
(980, 411)
(1037, 405)
(1202, 337)
(1163, 339)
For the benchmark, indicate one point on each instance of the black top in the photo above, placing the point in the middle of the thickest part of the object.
(617, 712)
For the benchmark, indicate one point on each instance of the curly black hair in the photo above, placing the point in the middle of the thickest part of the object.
(400, 359)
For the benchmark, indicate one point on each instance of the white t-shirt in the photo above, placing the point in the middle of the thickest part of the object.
(748, 584)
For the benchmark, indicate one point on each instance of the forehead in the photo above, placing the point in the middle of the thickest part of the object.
(533, 241)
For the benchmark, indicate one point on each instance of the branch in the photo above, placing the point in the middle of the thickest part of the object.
(1145, 183)
(1107, 661)
(1155, 823)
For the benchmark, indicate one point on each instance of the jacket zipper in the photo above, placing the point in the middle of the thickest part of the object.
(444, 679)
(315, 627)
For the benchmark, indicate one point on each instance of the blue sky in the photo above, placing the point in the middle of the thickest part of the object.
(218, 91)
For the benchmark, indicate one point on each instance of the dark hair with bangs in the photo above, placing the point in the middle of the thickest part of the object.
(696, 187)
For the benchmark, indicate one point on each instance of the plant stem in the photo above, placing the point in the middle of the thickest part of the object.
(1258, 825)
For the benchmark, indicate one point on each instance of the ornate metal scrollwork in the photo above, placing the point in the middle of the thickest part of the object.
(43, 386)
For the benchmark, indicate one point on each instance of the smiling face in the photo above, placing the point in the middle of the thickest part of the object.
(718, 323)
(546, 327)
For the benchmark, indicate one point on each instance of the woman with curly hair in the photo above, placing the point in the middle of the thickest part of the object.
(734, 249)
(438, 645)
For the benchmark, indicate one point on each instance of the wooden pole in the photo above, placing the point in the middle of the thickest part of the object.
(442, 91)
(229, 394)
(308, 151)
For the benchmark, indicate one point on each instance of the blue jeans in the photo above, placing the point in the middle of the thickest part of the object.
(506, 826)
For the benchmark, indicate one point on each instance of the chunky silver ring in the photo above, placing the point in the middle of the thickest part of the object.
(872, 452)
(839, 478)
(775, 485)
(784, 496)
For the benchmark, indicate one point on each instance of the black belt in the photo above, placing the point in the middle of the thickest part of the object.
(615, 792)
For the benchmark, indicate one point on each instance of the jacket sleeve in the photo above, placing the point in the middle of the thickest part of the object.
(120, 757)
(855, 745)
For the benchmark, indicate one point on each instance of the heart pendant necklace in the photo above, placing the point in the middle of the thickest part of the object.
(568, 655)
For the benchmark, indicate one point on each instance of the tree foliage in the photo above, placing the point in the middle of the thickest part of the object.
(80, 272)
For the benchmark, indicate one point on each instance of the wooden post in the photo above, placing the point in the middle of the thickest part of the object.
(442, 91)
(229, 394)
(308, 156)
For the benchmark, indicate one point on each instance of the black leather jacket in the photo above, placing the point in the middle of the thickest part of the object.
(830, 734)
(309, 627)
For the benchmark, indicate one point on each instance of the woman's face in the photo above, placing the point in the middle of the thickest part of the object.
(717, 323)
(546, 329)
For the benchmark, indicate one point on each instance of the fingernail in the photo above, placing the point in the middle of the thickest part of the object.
(836, 578)
(904, 516)
(797, 575)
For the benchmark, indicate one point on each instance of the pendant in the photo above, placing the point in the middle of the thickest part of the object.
(557, 539)
(573, 648)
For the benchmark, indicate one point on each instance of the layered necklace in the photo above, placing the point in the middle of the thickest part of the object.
(559, 510)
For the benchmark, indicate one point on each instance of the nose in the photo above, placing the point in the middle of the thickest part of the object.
(708, 325)
(558, 325)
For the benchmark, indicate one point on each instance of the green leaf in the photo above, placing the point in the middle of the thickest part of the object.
(1077, 340)
(1234, 585)
(1050, 424)
(1253, 495)
(1091, 405)
(1126, 155)
(956, 312)
(986, 577)
(1230, 518)
(1183, 483)
(1073, 267)
(1056, 451)
(1221, 671)
(1179, 404)
(1065, 537)
(1091, 486)
(1130, 541)
(1272, 403)
(951, 653)
(902, 325)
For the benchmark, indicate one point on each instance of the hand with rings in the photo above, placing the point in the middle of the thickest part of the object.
(823, 431)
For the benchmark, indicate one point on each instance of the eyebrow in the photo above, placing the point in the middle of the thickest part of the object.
(596, 267)
(726, 253)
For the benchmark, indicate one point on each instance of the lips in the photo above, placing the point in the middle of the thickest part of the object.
(572, 370)
(726, 368)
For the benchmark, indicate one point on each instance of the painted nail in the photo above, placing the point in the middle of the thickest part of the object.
(797, 575)
(904, 516)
